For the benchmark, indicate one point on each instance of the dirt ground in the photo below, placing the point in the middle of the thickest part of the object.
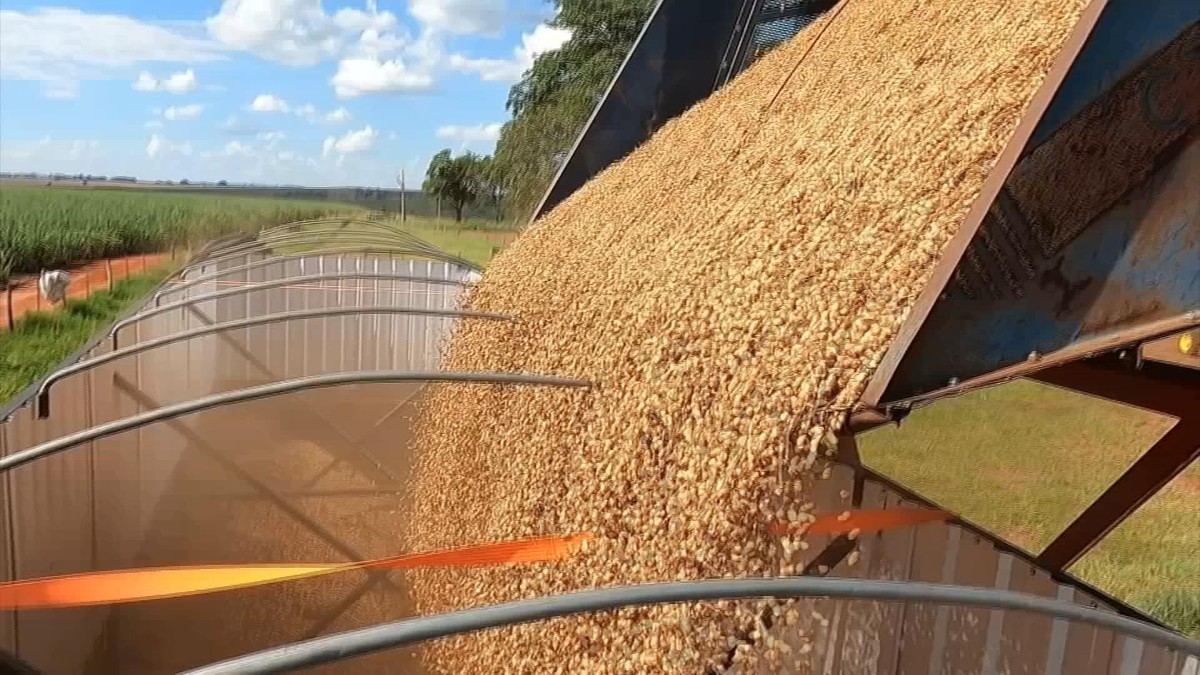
(85, 280)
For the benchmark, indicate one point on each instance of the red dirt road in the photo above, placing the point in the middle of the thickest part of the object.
(84, 281)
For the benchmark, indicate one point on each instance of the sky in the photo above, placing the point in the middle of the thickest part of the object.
(297, 92)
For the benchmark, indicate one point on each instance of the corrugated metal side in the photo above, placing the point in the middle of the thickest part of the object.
(8, 627)
(94, 507)
(866, 638)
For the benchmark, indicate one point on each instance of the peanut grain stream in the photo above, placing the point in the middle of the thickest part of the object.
(730, 286)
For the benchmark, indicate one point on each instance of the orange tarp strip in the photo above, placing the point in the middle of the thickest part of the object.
(102, 588)
(866, 520)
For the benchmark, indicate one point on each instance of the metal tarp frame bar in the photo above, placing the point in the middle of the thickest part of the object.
(166, 413)
(364, 641)
(43, 393)
(291, 238)
(266, 285)
(342, 222)
(342, 237)
(7, 410)
(267, 262)
(262, 488)
(1058, 576)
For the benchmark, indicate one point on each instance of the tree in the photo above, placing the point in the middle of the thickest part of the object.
(555, 97)
(456, 180)
(492, 185)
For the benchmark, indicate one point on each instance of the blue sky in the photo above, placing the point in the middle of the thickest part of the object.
(269, 91)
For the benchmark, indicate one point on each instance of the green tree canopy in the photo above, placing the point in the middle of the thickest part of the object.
(458, 181)
(556, 96)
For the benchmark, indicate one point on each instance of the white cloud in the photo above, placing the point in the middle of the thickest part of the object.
(271, 136)
(293, 32)
(235, 126)
(467, 17)
(153, 124)
(372, 43)
(183, 112)
(355, 77)
(307, 112)
(479, 132)
(237, 148)
(29, 154)
(176, 83)
(61, 90)
(339, 116)
(159, 146)
(352, 142)
(269, 103)
(543, 39)
(67, 45)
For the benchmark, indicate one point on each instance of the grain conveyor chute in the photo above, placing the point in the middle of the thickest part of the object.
(1078, 265)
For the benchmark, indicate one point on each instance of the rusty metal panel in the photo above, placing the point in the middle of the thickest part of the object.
(1088, 649)
(892, 560)
(861, 624)
(8, 624)
(1024, 644)
(1094, 236)
(53, 533)
(962, 634)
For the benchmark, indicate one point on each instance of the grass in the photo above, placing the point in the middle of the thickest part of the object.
(41, 340)
(476, 244)
(44, 227)
(476, 241)
(1024, 459)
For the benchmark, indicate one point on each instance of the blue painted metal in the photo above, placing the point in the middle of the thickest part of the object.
(1096, 232)
(687, 49)
(1128, 32)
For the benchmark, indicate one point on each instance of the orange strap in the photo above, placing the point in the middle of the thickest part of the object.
(865, 520)
(104, 588)
(122, 586)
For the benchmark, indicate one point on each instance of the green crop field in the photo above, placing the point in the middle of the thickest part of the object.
(44, 227)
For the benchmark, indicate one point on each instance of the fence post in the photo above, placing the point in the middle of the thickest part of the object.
(108, 270)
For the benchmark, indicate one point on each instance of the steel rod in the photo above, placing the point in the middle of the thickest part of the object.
(276, 283)
(183, 285)
(314, 236)
(369, 465)
(23, 457)
(262, 488)
(372, 224)
(43, 393)
(262, 237)
(399, 633)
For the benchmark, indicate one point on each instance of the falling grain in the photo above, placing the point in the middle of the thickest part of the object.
(729, 287)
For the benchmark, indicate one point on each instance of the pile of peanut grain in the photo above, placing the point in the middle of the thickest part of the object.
(730, 287)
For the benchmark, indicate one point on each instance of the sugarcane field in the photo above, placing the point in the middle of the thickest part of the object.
(626, 336)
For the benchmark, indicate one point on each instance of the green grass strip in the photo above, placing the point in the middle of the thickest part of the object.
(40, 341)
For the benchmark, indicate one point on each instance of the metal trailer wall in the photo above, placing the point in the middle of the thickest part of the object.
(132, 499)
(868, 638)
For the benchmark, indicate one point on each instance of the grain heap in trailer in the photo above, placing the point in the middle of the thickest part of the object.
(786, 223)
